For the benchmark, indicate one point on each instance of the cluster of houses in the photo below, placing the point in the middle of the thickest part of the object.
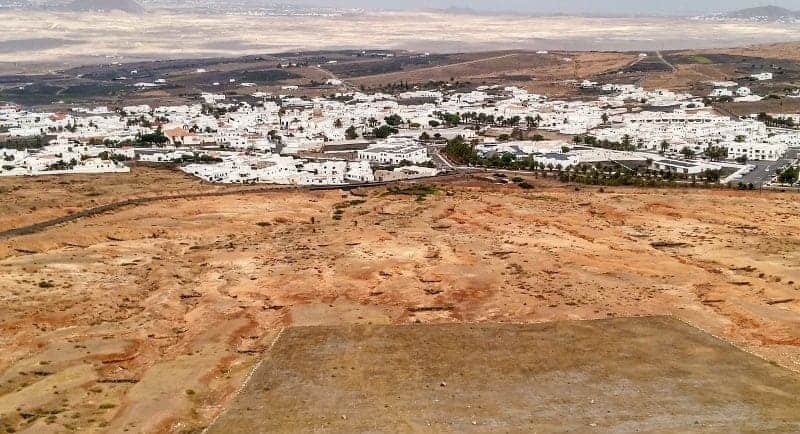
(358, 137)
(736, 92)
(697, 130)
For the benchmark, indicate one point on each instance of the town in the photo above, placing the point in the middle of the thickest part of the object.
(355, 137)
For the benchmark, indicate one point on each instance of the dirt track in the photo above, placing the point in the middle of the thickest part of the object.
(149, 318)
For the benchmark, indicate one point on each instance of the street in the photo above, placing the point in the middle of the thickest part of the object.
(765, 170)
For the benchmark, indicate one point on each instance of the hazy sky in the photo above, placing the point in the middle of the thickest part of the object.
(567, 6)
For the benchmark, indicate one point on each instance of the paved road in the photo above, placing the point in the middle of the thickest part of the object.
(439, 160)
(333, 76)
(765, 170)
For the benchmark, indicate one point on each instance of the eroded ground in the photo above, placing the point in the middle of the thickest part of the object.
(150, 318)
(33, 199)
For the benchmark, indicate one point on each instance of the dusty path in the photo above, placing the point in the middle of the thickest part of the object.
(665, 62)
(333, 76)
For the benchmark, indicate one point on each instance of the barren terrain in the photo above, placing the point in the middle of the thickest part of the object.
(31, 200)
(778, 51)
(543, 73)
(149, 318)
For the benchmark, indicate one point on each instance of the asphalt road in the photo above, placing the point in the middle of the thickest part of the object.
(440, 162)
(765, 170)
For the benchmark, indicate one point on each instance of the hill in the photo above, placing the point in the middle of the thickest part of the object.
(130, 6)
(764, 13)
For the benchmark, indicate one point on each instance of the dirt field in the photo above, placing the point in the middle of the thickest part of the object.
(687, 77)
(150, 318)
(34, 199)
(780, 51)
(784, 105)
(652, 374)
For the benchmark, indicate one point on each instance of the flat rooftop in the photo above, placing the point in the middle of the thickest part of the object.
(621, 375)
(677, 163)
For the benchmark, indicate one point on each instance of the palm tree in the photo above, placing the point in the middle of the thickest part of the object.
(529, 122)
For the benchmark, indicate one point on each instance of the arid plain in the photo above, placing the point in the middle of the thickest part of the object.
(149, 318)
(41, 41)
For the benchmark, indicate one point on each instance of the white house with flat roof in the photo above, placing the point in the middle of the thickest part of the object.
(395, 151)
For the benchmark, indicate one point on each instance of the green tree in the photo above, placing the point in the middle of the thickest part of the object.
(394, 120)
(789, 175)
(384, 131)
(716, 152)
(507, 159)
(626, 141)
(155, 138)
(460, 152)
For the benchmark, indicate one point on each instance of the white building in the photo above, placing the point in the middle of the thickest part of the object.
(684, 167)
(395, 152)
(762, 76)
(720, 92)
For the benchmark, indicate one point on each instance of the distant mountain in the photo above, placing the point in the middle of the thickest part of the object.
(764, 13)
(130, 6)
